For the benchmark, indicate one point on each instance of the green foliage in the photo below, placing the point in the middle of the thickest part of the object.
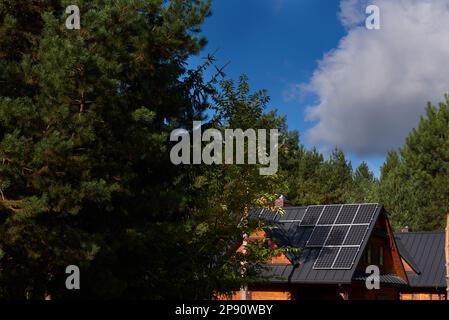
(414, 183)
(226, 193)
(84, 120)
(365, 185)
(85, 173)
(314, 180)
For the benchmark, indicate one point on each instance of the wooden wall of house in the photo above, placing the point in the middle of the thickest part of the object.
(423, 295)
(284, 293)
(391, 262)
(407, 267)
(355, 292)
(267, 292)
(261, 234)
(270, 295)
(260, 295)
(271, 292)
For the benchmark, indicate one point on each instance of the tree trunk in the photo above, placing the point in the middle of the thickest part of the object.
(244, 289)
(447, 252)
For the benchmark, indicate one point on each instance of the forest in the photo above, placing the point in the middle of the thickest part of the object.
(85, 171)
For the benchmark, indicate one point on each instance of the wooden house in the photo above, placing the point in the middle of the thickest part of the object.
(338, 243)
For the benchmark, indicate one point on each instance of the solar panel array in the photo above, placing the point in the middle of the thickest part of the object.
(335, 232)
(338, 231)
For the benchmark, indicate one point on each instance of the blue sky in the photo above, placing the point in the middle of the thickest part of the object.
(279, 44)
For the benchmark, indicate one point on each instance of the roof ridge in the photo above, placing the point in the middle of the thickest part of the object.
(333, 205)
(419, 232)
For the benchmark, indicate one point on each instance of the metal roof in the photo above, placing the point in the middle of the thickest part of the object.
(383, 278)
(285, 231)
(424, 252)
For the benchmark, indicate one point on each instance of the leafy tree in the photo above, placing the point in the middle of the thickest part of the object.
(225, 194)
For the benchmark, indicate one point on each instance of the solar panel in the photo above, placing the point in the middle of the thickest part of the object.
(254, 212)
(346, 258)
(366, 213)
(347, 214)
(319, 236)
(337, 236)
(326, 258)
(356, 235)
(329, 215)
(312, 215)
(267, 214)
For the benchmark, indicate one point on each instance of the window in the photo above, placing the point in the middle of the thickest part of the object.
(381, 256)
(369, 254)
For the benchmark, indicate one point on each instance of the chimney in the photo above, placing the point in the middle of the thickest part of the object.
(279, 203)
(406, 229)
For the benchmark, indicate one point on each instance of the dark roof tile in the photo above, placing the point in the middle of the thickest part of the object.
(424, 252)
(384, 278)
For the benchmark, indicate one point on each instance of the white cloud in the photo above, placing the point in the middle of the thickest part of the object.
(373, 88)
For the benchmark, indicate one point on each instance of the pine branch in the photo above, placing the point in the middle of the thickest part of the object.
(12, 205)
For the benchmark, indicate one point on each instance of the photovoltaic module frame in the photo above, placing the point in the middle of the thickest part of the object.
(339, 232)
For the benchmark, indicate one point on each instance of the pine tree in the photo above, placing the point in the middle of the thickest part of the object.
(365, 185)
(85, 176)
(313, 180)
(414, 182)
(85, 171)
